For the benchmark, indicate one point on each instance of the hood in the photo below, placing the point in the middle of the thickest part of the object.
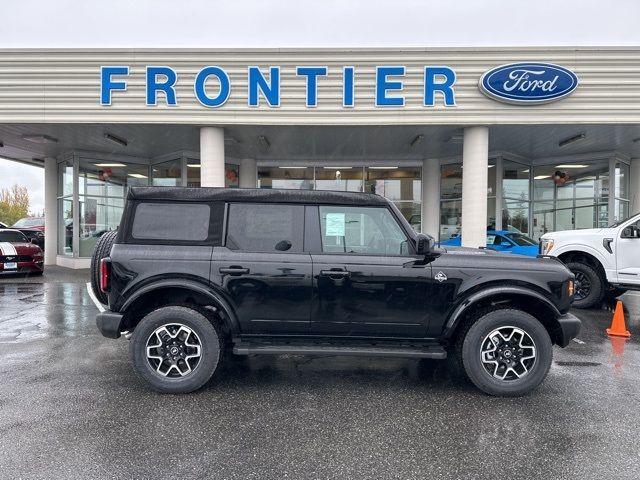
(18, 248)
(570, 234)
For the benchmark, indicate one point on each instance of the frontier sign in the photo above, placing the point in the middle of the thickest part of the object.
(522, 83)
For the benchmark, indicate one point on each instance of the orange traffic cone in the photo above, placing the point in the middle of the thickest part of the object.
(618, 328)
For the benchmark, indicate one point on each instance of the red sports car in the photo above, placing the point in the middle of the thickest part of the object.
(18, 255)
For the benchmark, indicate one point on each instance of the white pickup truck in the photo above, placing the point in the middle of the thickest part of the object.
(605, 261)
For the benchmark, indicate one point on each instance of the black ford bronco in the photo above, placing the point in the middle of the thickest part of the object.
(194, 273)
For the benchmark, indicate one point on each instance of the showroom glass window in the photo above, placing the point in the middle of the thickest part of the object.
(570, 196)
(65, 207)
(515, 196)
(451, 198)
(231, 174)
(102, 188)
(271, 228)
(621, 192)
(361, 230)
(401, 185)
(293, 178)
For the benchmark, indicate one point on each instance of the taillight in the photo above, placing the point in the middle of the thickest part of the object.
(104, 275)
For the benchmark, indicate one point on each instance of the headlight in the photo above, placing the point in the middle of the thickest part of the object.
(546, 246)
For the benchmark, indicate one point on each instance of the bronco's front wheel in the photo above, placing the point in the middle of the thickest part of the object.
(175, 349)
(506, 352)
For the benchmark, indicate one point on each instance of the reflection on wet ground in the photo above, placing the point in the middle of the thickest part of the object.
(71, 407)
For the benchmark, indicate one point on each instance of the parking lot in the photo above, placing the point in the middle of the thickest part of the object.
(72, 407)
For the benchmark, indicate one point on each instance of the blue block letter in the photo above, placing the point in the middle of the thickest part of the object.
(312, 74)
(347, 87)
(107, 85)
(167, 86)
(383, 85)
(270, 90)
(201, 80)
(447, 77)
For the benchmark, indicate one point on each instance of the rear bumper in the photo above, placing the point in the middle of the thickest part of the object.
(569, 328)
(109, 324)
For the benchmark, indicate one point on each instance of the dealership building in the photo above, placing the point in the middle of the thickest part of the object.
(460, 139)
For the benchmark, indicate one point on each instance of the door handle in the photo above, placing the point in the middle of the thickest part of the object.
(234, 270)
(335, 273)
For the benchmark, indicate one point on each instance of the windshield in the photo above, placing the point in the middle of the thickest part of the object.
(521, 240)
(28, 222)
(9, 236)
(620, 222)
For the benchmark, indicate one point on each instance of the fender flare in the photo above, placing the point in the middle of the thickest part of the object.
(185, 284)
(586, 249)
(458, 313)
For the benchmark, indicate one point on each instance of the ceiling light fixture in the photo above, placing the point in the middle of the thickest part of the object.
(264, 141)
(337, 168)
(109, 164)
(542, 177)
(115, 139)
(39, 138)
(571, 165)
(383, 168)
(193, 165)
(137, 175)
(416, 140)
(293, 168)
(569, 140)
(459, 138)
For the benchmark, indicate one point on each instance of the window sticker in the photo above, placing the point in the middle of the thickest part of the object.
(335, 225)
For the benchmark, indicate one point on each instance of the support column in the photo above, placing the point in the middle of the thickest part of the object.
(50, 210)
(431, 197)
(212, 157)
(634, 186)
(475, 162)
(248, 173)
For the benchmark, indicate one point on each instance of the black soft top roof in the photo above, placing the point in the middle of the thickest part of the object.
(265, 195)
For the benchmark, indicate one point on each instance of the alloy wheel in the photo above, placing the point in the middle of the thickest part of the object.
(174, 350)
(508, 353)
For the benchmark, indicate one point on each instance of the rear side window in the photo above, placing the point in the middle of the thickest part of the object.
(171, 221)
(256, 227)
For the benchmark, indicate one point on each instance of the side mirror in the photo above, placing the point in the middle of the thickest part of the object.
(33, 240)
(424, 244)
(632, 231)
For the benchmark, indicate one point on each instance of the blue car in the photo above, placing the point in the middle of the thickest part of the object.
(503, 241)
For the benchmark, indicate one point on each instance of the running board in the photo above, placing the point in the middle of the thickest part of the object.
(365, 351)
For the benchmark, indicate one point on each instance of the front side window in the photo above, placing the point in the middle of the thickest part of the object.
(273, 228)
(361, 230)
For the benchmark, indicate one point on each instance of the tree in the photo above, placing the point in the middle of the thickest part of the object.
(14, 204)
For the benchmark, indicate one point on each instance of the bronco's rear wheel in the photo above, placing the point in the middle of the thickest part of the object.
(175, 349)
(506, 352)
(590, 287)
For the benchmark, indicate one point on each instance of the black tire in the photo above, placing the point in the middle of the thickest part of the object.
(206, 334)
(590, 286)
(473, 339)
(101, 250)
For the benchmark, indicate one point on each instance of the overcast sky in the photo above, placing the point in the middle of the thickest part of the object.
(306, 23)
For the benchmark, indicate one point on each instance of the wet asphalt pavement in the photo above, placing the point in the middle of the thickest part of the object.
(72, 407)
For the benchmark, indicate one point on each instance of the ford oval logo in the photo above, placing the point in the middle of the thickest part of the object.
(528, 83)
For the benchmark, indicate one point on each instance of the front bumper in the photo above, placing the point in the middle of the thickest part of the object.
(24, 267)
(568, 329)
